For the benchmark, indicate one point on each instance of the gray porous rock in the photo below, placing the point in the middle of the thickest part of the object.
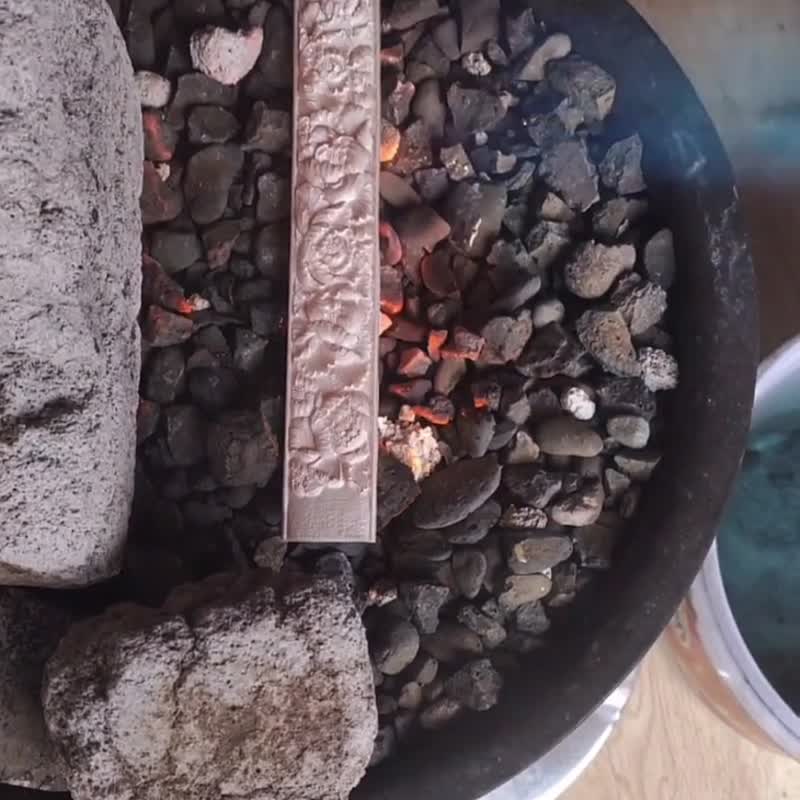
(235, 688)
(70, 178)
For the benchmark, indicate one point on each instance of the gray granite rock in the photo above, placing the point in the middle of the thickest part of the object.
(70, 178)
(232, 689)
(29, 632)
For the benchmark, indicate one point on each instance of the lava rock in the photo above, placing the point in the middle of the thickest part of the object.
(505, 339)
(659, 369)
(475, 526)
(659, 258)
(397, 489)
(242, 449)
(642, 304)
(491, 632)
(71, 161)
(218, 647)
(552, 351)
(451, 494)
(606, 337)
(594, 267)
(223, 55)
(578, 402)
(621, 168)
(474, 110)
(523, 518)
(424, 602)
(532, 67)
(531, 484)
(531, 618)
(154, 90)
(568, 171)
(211, 125)
(590, 89)
(612, 219)
(162, 328)
(581, 507)
(567, 436)
(626, 396)
(475, 213)
(432, 183)
(185, 432)
(209, 176)
(476, 686)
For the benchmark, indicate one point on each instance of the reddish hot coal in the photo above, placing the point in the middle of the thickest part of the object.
(524, 290)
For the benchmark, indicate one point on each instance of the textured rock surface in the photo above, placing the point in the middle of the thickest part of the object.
(29, 632)
(70, 176)
(231, 691)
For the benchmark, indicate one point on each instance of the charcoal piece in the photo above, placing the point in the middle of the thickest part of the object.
(271, 252)
(547, 242)
(521, 30)
(420, 229)
(552, 351)
(397, 106)
(209, 176)
(475, 213)
(531, 484)
(397, 489)
(426, 61)
(532, 66)
(590, 89)
(424, 601)
(659, 369)
(475, 526)
(456, 161)
(491, 631)
(211, 125)
(475, 430)
(214, 388)
(474, 110)
(148, 415)
(186, 434)
(445, 34)
(451, 494)
(432, 183)
(606, 337)
(505, 338)
(625, 396)
(268, 130)
(407, 13)
(494, 162)
(568, 171)
(165, 375)
(242, 449)
(452, 642)
(219, 240)
(273, 198)
(519, 590)
(469, 571)
(479, 21)
(197, 89)
(621, 167)
(175, 250)
(581, 507)
(531, 618)
(397, 191)
(659, 258)
(613, 218)
(163, 328)
(594, 545)
(394, 645)
(415, 149)
(161, 200)
(272, 68)
(538, 553)
(642, 304)
(160, 139)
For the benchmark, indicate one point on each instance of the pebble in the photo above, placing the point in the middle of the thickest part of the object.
(531, 484)
(474, 110)
(659, 369)
(475, 213)
(214, 388)
(567, 436)
(428, 545)
(270, 553)
(490, 630)
(521, 589)
(637, 464)
(211, 125)
(547, 311)
(422, 670)
(424, 602)
(475, 526)
(621, 168)
(531, 618)
(469, 571)
(524, 450)
(452, 642)
(165, 376)
(642, 304)
(395, 646)
(581, 507)
(659, 258)
(185, 429)
(450, 495)
(523, 518)
(439, 713)
(241, 449)
(410, 696)
(209, 175)
(577, 401)
(594, 545)
(476, 685)
(594, 267)
(606, 337)
(557, 45)
(175, 250)
(449, 373)
(629, 431)
(268, 129)
(590, 88)
(154, 89)
(505, 338)
(385, 745)
(538, 553)
(611, 219)
(223, 55)
(476, 428)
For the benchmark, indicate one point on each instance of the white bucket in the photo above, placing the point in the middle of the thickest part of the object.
(704, 633)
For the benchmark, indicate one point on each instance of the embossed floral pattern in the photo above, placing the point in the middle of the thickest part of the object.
(334, 228)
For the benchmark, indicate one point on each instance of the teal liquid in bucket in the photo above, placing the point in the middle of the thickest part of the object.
(759, 554)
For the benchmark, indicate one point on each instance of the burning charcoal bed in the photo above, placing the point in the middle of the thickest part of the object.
(525, 349)
(565, 356)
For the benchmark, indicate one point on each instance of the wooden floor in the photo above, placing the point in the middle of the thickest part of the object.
(744, 58)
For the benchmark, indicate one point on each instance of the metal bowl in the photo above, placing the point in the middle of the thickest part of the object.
(615, 621)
